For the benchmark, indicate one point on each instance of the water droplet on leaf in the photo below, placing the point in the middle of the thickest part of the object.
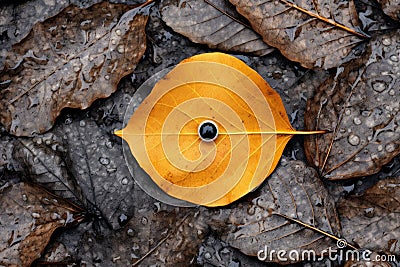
(390, 147)
(386, 42)
(379, 86)
(121, 49)
(104, 161)
(369, 212)
(357, 121)
(354, 140)
(130, 232)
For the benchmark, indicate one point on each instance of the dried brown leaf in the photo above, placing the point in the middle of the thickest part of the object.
(360, 105)
(69, 60)
(29, 216)
(213, 24)
(391, 8)
(295, 191)
(372, 220)
(315, 33)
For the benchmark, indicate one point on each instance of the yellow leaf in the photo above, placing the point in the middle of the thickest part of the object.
(167, 137)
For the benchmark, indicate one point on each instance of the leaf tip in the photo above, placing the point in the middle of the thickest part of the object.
(118, 133)
(312, 132)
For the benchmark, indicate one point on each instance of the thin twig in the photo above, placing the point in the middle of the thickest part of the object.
(314, 229)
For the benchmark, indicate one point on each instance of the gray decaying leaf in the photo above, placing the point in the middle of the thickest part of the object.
(295, 191)
(372, 220)
(360, 105)
(80, 161)
(99, 168)
(69, 60)
(18, 17)
(315, 33)
(391, 8)
(43, 161)
(29, 216)
(203, 23)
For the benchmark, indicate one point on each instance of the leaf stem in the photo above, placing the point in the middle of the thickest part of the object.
(146, 3)
(313, 228)
(327, 20)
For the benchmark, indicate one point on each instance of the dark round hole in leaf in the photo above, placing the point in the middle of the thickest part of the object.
(208, 131)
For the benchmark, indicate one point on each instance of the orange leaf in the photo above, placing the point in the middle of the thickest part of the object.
(166, 136)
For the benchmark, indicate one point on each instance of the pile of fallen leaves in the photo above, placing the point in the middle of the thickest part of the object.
(61, 166)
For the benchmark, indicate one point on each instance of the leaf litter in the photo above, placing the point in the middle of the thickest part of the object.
(29, 216)
(114, 261)
(313, 33)
(215, 23)
(41, 162)
(166, 235)
(360, 106)
(69, 60)
(293, 190)
(80, 162)
(371, 220)
(17, 21)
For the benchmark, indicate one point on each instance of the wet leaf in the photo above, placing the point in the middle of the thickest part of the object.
(391, 8)
(79, 161)
(214, 252)
(372, 17)
(98, 166)
(360, 105)
(19, 16)
(314, 33)
(295, 191)
(6, 148)
(69, 60)
(17, 19)
(214, 24)
(43, 162)
(29, 217)
(166, 237)
(253, 129)
(178, 241)
(372, 220)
